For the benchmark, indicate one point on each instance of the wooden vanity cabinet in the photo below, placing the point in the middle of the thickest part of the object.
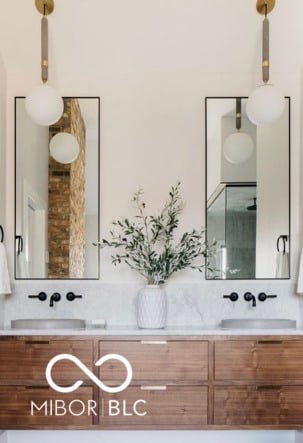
(192, 382)
(152, 359)
(23, 362)
(258, 405)
(271, 359)
(168, 406)
(169, 385)
(24, 359)
(17, 410)
(259, 382)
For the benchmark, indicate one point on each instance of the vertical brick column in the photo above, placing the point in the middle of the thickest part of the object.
(66, 203)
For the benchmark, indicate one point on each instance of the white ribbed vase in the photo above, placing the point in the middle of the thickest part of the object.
(151, 307)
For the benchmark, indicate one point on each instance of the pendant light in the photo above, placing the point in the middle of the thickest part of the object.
(64, 147)
(266, 103)
(238, 146)
(43, 103)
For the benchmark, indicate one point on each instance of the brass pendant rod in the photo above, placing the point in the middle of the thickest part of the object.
(265, 50)
(238, 113)
(65, 116)
(44, 49)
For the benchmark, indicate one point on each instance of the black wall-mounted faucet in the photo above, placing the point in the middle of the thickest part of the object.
(233, 296)
(248, 296)
(42, 296)
(70, 296)
(54, 298)
(262, 296)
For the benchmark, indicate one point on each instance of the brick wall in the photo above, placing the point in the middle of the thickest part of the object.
(77, 198)
(66, 203)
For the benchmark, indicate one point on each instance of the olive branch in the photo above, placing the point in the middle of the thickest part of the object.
(147, 244)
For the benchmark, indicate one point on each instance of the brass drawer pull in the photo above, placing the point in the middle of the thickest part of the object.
(153, 388)
(269, 342)
(153, 342)
(269, 388)
(36, 342)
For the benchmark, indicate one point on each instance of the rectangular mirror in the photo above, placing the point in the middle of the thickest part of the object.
(57, 203)
(247, 192)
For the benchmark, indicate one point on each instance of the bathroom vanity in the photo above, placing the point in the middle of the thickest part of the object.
(200, 381)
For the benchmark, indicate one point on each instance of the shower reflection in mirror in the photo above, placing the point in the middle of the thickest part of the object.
(247, 191)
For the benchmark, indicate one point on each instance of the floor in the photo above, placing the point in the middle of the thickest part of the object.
(152, 436)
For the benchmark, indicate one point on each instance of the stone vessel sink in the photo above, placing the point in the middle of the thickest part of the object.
(258, 323)
(48, 323)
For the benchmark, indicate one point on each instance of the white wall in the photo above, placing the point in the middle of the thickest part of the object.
(3, 156)
(3, 147)
(32, 159)
(272, 193)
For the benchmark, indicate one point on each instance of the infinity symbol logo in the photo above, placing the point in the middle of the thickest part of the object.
(85, 369)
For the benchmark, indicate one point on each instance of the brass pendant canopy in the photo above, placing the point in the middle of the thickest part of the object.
(261, 6)
(47, 4)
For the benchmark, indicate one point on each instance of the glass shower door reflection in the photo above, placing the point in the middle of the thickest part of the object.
(231, 222)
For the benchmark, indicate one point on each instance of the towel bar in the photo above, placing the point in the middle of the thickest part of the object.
(284, 239)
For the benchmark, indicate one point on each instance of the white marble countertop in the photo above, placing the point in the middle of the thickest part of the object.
(133, 330)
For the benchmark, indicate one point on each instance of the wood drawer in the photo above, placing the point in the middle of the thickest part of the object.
(259, 359)
(252, 405)
(176, 361)
(174, 406)
(16, 411)
(26, 360)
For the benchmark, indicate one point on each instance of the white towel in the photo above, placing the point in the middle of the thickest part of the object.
(282, 265)
(300, 275)
(5, 287)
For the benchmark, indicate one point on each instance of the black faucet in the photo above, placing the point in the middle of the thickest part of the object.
(42, 296)
(54, 298)
(248, 296)
(233, 296)
(262, 296)
(70, 296)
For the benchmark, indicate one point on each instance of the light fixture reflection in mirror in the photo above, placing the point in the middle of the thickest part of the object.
(64, 148)
(238, 146)
(57, 204)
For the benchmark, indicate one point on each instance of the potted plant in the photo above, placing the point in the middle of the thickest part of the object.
(147, 245)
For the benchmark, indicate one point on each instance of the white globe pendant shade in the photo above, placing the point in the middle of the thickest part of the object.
(265, 105)
(64, 147)
(44, 105)
(238, 147)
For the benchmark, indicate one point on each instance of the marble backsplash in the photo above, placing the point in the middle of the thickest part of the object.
(189, 303)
